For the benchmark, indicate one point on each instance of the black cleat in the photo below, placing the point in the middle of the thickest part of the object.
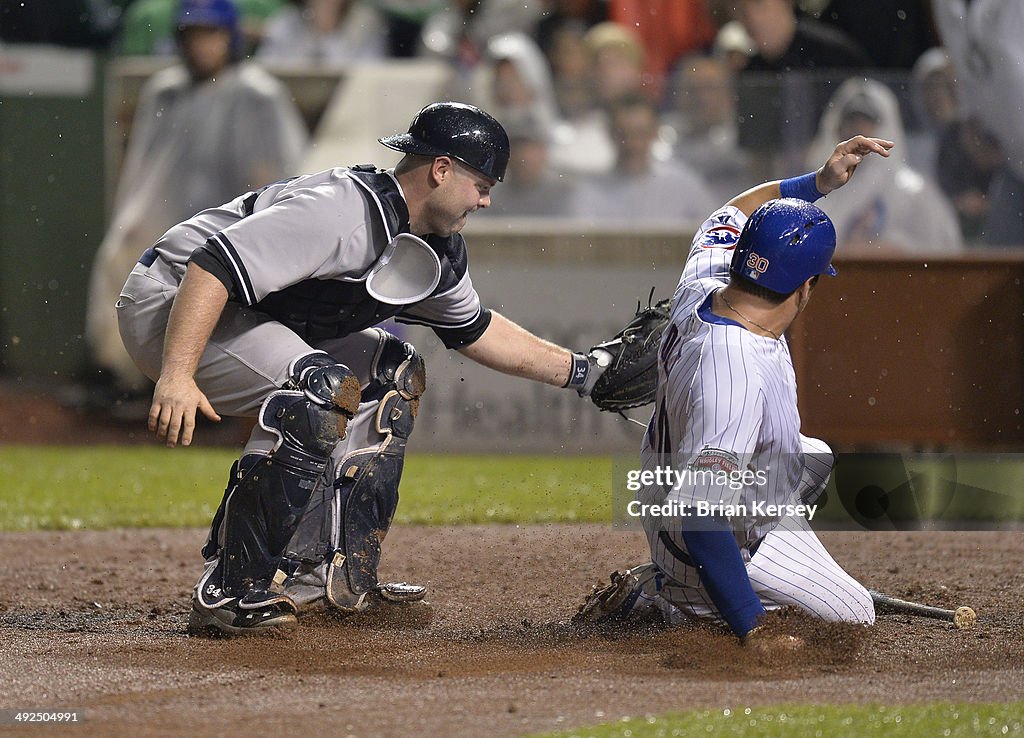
(241, 618)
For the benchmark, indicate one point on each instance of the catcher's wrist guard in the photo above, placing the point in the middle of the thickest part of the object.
(587, 369)
(578, 372)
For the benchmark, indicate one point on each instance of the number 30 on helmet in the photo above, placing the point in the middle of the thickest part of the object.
(784, 243)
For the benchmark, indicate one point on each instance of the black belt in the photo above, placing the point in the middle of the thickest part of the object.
(681, 555)
(148, 257)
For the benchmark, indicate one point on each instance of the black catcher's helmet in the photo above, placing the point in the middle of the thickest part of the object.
(458, 130)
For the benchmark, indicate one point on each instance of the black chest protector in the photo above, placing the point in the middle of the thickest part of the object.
(319, 309)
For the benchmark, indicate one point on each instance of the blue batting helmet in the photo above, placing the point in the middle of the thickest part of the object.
(784, 243)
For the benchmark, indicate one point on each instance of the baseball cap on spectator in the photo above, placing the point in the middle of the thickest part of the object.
(614, 36)
(210, 14)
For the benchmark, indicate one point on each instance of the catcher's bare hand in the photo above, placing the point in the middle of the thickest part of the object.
(173, 412)
(844, 159)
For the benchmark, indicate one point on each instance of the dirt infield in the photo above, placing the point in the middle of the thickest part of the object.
(95, 621)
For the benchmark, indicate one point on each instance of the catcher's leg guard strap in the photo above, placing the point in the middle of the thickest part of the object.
(263, 510)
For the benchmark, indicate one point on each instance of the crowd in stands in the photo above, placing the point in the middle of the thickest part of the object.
(623, 114)
(650, 112)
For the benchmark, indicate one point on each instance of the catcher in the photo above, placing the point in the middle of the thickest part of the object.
(268, 307)
(727, 538)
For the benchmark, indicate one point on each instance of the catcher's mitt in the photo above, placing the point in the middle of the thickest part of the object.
(631, 380)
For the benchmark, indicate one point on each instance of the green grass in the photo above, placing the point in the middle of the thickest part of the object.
(106, 486)
(826, 721)
(146, 486)
(505, 489)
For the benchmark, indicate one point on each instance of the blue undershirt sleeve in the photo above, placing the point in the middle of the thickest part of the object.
(724, 575)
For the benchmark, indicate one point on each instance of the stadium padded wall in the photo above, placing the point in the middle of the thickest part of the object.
(51, 205)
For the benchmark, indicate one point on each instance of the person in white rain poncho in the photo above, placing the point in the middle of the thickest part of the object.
(889, 207)
(204, 130)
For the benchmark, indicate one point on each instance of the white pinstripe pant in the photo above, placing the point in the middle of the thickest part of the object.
(789, 568)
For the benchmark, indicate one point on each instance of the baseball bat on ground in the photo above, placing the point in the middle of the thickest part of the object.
(962, 617)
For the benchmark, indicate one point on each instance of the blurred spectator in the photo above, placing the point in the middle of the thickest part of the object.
(560, 14)
(461, 31)
(733, 45)
(405, 21)
(642, 190)
(934, 98)
(888, 207)
(614, 66)
(983, 39)
(205, 130)
(569, 60)
(561, 33)
(894, 34)
(149, 26)
(703, 114)
(668, 29)
(85, 23)
(618, 61)
(784, 41)
(515, 82)
(776, 106)
(605, 65)
(532, 188)
(935, 87)
(968, 160)
(323, 33)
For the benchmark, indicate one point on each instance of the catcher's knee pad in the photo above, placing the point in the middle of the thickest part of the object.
(397, 368)
(263, 508)
(326, 382)
(346, 526)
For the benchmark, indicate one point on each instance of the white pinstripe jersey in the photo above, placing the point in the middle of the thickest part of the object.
(726, 396)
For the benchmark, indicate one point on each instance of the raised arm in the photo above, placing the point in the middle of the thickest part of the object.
(196, 310)
(833, 174)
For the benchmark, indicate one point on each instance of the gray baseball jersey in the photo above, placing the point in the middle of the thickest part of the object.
(300, 251)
